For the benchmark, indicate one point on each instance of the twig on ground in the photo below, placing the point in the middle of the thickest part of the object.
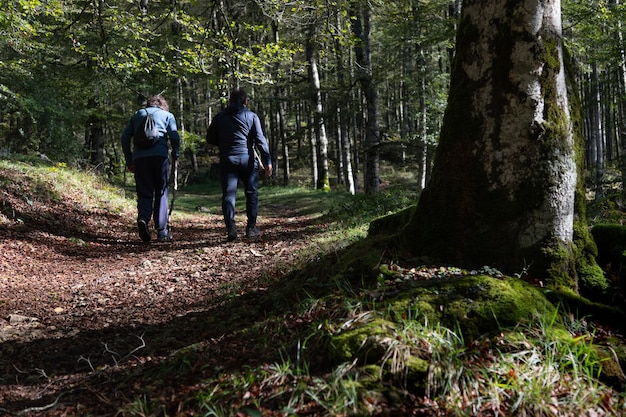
(82, 358)
(29, 410)
(132, 352)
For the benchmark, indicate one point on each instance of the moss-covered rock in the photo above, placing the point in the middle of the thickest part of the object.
(391, 223)
(377, 345)
(612, 373)
(476, 305)
(570, 302)
(346, 345)
(592, 281)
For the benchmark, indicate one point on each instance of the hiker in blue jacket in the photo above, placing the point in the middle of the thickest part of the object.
(151, 167)
(236, 130)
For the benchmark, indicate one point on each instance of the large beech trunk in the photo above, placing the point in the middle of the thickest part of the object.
(502, 191)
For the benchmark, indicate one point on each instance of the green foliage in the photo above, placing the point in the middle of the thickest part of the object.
(609, 208)
(416, 29)
(58, 57)
(192, 141)
(590, 27)
(363, 208)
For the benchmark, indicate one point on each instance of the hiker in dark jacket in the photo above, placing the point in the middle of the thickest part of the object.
(237, 131)
(151, 167)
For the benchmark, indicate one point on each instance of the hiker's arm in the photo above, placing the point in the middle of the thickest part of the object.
(261, 141)
(211, 133)
(174, 137)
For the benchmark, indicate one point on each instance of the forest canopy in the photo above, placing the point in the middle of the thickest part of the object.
(71, 73)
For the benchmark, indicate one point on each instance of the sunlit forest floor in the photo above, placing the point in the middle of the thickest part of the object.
(95, 322)
(83, 301)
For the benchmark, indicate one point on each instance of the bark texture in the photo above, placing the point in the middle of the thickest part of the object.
(503, 185)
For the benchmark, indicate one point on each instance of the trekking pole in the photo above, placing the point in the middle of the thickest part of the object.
(258, 157)
(174, 176)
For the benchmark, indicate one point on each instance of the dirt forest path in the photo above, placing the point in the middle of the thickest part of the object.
(72, 306)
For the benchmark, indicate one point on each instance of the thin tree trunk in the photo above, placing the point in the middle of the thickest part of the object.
(313, 139)
(344, 151)
(595, 130)
(323, 179)
(357, 135)
(361, 29)
(422, 148)
(180, 117)
(621, 134)
(94, 138)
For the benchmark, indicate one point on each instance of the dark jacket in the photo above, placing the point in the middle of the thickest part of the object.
(235, 130)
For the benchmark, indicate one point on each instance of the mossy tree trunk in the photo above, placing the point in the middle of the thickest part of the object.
(502, 191)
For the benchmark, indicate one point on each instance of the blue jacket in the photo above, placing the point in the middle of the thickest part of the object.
(166, 124)
(235, 130)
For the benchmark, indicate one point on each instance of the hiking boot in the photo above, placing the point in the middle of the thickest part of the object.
(144, 232)
(164, 236)
(232, 234)
(252, 232)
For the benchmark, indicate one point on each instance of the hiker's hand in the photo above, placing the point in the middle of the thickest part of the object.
(268, 170)
(131, 168)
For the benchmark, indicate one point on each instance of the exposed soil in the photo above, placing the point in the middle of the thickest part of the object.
(84, 304)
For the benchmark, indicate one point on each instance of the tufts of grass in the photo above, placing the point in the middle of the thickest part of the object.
(532, 369)
(143, 407)
(361, 209)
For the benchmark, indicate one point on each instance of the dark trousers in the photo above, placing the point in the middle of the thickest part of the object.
(234, 168)
(151, 177)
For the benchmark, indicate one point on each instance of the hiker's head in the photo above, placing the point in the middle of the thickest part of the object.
(239, 97)
(158, 101)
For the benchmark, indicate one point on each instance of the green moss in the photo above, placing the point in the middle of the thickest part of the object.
(592, 281)
(558, 264)
(570, 302)
(484, 304)
(615, 350)
(346, 345)
(370, 345)
(391, 223)
(611, 373)
(475, 305)
(357, 263)
(551, 54)
(369, 375)
(417, 372)
(324, 183)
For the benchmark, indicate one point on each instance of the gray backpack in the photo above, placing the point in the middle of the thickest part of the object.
(148, 134)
